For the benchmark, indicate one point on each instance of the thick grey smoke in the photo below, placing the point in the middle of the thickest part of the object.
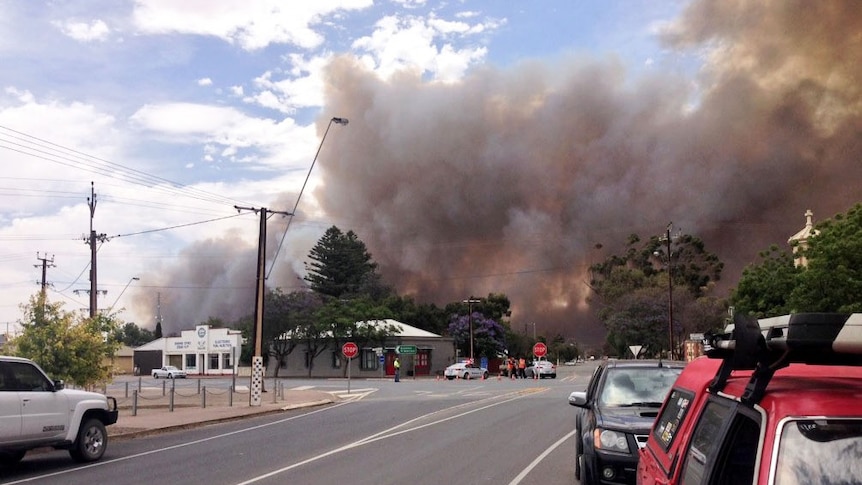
(506, 181)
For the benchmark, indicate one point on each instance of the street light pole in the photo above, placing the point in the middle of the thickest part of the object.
(258, 372)
(134, 278)
(469, 303)
(337, 121)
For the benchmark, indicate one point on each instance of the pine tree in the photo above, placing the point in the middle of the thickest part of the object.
(341, 265)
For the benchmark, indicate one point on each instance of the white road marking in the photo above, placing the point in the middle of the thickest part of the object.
(354, 395)
(174, 447)
(386, 434)
(526, 471)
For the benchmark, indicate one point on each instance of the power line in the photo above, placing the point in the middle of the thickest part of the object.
(29, 145)
(177, 226)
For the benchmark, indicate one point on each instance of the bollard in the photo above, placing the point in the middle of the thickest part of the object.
(135, 402)
(127, 390)
(230, 396)
(139, 383)
(171, 401)
(164, 387)
(274, 390)
(204, 398)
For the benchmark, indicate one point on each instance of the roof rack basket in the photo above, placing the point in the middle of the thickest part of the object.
(769, 344)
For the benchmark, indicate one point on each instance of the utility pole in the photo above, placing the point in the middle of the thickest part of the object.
(670, 294)
(159, 315)
(257, 370)
(46, 263)
(91, 201)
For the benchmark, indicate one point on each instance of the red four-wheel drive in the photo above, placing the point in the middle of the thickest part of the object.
(777, 401)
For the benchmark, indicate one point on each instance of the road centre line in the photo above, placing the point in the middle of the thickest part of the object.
(385, 434)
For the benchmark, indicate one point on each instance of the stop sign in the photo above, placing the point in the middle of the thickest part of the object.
(349, 350)
(540, 349)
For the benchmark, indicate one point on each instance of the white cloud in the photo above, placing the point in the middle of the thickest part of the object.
(410, 3)
(262, 141)
(97, 30)
(303, 89)
(253, 25)
(410, 43)
(205, 82)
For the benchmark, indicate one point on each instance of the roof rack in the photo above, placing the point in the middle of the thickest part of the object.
(769, 344)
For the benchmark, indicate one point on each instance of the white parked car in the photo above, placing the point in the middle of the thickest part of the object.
(169, 372)
(542, 368)
(464, 370)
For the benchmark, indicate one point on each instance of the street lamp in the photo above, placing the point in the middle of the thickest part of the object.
(469, 303)
(134, 278)
(337, 121)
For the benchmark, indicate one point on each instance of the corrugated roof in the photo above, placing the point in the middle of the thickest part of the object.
(157, 344)
(406, 330)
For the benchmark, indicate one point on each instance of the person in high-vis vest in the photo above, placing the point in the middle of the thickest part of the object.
(397, 365)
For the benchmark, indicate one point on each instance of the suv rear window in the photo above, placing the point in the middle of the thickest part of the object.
(673, 414)
(723, 447)
(820, 451)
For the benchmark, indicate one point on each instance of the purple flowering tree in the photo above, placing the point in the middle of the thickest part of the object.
(489, 337)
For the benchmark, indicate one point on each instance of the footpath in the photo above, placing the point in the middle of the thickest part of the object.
(156, 413)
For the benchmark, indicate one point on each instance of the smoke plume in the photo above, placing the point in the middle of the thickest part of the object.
(507, 181)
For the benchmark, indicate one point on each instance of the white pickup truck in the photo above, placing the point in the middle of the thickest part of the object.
(37, 412)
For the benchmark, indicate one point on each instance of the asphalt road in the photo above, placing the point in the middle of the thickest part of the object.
(417, 431)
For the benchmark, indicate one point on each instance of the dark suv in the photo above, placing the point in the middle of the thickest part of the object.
(617, 411)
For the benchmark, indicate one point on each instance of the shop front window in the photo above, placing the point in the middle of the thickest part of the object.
(369, 360)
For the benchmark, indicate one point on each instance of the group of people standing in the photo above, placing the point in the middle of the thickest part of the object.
(516, 368)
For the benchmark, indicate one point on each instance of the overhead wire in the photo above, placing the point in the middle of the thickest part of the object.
(20, 142)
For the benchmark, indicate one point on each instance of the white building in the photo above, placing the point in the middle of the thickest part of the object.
(202, 351)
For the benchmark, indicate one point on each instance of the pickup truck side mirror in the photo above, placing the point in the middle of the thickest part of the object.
(59, 385)
(578, 399)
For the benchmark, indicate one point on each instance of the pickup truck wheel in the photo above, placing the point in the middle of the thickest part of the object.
(9, 458)
(155, 376)
(91, 443)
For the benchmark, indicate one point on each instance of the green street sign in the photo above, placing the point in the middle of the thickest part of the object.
(405, 349)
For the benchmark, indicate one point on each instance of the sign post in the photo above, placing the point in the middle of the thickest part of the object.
(349, 349)
(406, 349)
(540, 349)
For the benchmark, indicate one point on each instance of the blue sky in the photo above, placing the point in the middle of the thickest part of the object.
(518, 133)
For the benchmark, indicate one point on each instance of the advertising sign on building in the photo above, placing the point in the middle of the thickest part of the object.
(201, 335)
